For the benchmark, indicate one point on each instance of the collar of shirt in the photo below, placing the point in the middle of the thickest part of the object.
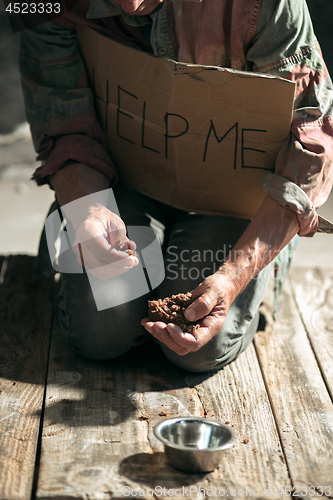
(105, 8)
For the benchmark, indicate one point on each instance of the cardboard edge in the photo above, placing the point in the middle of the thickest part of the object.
(194, 67)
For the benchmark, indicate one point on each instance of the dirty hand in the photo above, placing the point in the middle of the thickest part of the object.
(95, 241)
(215, 295)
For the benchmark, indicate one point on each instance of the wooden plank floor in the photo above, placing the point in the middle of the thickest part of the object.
(25, 320)
(95, 420)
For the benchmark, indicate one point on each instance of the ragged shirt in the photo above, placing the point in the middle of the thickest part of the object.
(265, 36)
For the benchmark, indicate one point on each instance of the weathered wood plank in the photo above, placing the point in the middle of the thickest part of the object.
(25, 322)
(313, 290)
(301, 403)
(99, 418)
(238, 395)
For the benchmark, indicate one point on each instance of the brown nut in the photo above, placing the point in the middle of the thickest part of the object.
(123, 246)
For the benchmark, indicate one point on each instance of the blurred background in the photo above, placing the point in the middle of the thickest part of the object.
(23, 205)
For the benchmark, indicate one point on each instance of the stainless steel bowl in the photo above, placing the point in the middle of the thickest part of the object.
(195, 444)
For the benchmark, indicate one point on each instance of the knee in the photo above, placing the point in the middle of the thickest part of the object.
(95, 334)
(194, 366)
(203, 360)
(222, 349)
(94, 351)
(100, 335)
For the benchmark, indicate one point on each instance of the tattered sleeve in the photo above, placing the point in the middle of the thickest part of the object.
(286, 46)
(59, 103)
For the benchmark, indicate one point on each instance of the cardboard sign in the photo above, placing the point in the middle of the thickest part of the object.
(198, 138)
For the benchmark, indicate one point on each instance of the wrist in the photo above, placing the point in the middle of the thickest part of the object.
(77, 180)
(81, 191)
(237, 273)
(90, 207)
(227, 282)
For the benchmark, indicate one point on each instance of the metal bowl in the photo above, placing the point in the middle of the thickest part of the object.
(195, 444)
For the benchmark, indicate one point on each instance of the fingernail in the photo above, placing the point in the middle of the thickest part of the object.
(190, 315)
